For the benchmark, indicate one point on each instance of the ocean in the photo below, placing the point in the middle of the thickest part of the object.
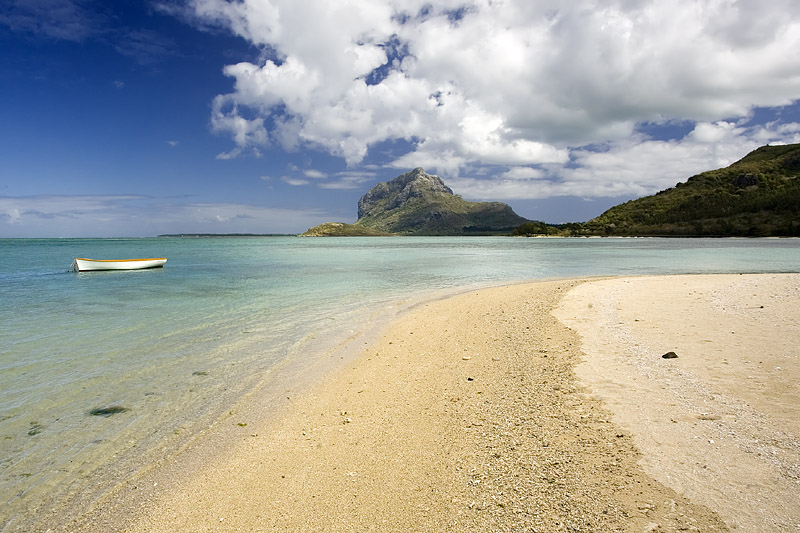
(164, 353)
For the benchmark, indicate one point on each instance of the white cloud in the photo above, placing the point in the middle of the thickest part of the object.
(348, 180)
(315, 174)
(523, 173)
(246, 132)
(295, 181)
(512, 84)
(632, 167)
(705, 132)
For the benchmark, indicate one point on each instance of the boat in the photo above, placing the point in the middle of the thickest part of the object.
(82, 264)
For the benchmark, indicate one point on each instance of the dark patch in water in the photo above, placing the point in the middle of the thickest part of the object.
(200, 373)
(108, 411)
(36, 428)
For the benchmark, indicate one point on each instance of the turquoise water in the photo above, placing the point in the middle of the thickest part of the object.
(176, 346)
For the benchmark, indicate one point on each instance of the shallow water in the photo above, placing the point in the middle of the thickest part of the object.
(175, 346)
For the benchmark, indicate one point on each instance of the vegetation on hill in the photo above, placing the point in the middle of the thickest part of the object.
(340, 229)
(417, 203)
(757, 196)
(535, 229)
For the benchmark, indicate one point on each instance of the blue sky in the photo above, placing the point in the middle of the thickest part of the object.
(136, 118)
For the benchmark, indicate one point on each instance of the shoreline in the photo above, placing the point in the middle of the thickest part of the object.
(261, 406)
(465, 412)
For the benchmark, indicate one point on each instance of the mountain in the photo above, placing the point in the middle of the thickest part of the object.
(758, 195)
(418, 203)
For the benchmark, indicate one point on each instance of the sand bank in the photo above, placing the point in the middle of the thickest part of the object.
(720, 423)
(466, 415)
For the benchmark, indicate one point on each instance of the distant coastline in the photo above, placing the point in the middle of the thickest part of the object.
(198, 235)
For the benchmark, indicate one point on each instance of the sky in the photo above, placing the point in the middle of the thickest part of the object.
(145, 117)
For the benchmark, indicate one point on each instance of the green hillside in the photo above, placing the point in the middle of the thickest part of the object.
(340, 229)
(758, 195)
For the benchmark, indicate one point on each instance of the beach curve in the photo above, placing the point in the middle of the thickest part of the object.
(465, 413)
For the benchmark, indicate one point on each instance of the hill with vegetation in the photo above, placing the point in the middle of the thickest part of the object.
(418, 203)
(340, 229)
(757, 196)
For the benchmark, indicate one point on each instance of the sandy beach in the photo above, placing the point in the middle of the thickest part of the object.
(535, 407)
(721, 422)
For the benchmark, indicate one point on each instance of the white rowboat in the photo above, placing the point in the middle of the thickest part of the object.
(82, 264)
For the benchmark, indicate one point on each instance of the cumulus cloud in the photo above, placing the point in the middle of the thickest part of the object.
(632, 167)
(556, 87)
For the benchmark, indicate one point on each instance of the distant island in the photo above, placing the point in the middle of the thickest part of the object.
(758, 196)
(198, 235)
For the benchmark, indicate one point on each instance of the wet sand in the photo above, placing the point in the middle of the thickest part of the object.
(467, 414)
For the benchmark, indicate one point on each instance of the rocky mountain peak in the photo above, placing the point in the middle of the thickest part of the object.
(418, 203)
(398, 192)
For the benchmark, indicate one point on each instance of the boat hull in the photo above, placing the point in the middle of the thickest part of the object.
(82, 264)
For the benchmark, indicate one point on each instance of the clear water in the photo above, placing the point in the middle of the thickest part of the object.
(176, 346)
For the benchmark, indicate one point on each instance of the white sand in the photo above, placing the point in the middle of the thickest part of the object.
(721, 423)
(466, 415)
